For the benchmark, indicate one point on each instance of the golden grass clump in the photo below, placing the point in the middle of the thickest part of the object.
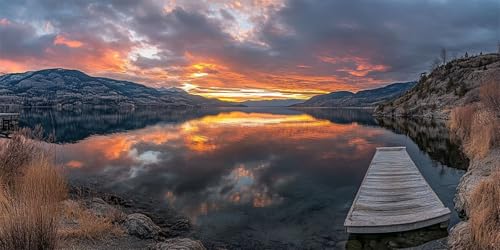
(489, 94)
(32, 190)
(18, 152)
(83, 224)
(478, 125)
(29, 206)
(485, 215)
(483, 135)
(461, 120)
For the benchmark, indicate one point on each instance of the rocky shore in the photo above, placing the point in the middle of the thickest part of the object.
(479, 170)
(465, 92)
(136, 230)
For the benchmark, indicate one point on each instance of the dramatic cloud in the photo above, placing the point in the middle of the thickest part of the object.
(237, 50)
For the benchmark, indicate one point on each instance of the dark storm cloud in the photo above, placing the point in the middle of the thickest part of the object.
(405, 35)
(19, 40)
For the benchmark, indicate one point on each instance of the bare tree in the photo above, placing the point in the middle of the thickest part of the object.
(435, 64)
(443, 55)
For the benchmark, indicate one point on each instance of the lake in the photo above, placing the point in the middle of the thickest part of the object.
(250, 178)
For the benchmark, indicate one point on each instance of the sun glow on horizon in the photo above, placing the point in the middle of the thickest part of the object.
(248, 94)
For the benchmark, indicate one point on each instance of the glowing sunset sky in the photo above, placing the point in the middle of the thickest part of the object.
(241, 50)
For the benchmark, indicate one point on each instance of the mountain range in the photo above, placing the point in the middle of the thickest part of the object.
(364, 98)
(65, 87)
(68, 88)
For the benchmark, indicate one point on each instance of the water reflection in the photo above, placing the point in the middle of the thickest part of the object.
(432, 136)
(73, 125)
(246, 178)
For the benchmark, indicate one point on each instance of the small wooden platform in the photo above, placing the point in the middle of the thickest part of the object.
(9, 122)
(394, 197)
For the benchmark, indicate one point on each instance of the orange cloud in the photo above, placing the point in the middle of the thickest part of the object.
(11, 66)
(362, 66)
(74, 164)
(61, 40)
(213, 78)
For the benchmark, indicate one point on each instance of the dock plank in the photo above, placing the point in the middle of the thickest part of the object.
(394, 197)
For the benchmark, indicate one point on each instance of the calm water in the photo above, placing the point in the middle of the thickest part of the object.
(249, 178)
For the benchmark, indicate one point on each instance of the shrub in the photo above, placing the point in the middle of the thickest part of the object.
(450, 85)
(461, 90)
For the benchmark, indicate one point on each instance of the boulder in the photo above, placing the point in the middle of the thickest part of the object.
(460, 236)
(141, 226)
(179, 244)
(102, 209)
(479, 169)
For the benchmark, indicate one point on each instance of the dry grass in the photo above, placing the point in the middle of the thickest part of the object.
(490, 95)
(31, 193)
(18, 152)
(484, 134)
(29, 211)
(478, 125)
(461, 120)
(485, 215)
(83, 224)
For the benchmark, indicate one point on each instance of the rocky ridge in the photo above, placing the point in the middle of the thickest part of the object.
(453, 84)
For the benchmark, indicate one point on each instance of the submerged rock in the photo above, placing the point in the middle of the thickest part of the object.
(179, 244)
(141, 226)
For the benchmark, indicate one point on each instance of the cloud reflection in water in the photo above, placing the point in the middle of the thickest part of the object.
(243, 175)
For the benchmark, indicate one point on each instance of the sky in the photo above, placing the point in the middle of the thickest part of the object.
(247, 49)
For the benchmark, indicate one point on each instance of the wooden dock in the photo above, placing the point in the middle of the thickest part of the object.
(394, 197)
(9, 122)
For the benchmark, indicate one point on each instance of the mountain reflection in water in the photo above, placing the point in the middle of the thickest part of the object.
(248, 178)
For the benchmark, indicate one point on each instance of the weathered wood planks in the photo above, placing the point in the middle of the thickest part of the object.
(8, 123)
(394, 197)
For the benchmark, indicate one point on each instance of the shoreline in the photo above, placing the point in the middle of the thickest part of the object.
(142, 226)
(478, 171)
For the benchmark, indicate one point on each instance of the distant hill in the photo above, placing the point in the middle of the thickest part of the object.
(364, 98)
(453, 84)
(272, 103)
(64, 87)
